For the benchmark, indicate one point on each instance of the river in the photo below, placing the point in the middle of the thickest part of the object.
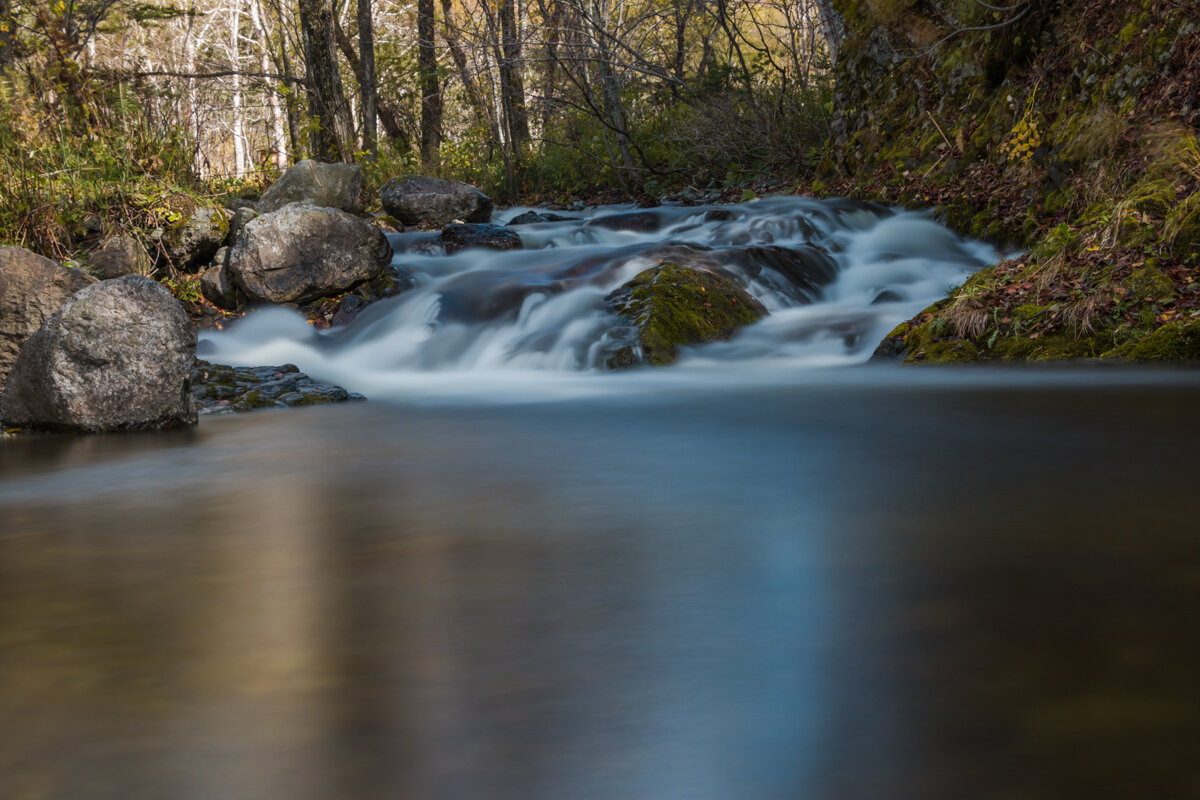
(763, 577)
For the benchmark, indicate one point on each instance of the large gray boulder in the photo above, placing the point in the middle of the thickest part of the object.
(32, 288)
(192, 242)
(121, 255)
(329, 185)
(116, 356)
(302, 252)
(414, 199)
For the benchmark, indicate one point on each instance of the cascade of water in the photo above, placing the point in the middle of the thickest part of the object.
(836, 276)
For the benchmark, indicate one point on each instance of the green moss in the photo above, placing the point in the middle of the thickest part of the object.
(671, 305)
(1185, 232)
(1175, 341)
(1155, 197)
(1061, 199)
(955, 351)
(1051, 347)
(1150, 283)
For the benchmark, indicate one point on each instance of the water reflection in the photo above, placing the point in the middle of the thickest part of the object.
(909, 589)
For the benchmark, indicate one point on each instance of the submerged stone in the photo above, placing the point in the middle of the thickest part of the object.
(457, 237)
(670, 306)
(221, 389)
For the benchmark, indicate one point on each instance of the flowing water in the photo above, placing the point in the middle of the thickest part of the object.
(765, 574)
(835, 275)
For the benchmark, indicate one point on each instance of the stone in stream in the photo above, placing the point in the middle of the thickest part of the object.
(635, 221)
(220, 389)
(493, 237)
(32, 288)
(116, 356)
(534, 217)
(669, 306)
(301, 252)
(328, 185)
(415, 199)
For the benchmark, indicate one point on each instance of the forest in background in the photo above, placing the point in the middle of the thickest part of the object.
(1063, 129)
(520, 97)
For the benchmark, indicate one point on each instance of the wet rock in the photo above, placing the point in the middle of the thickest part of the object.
(329, 312)
(534, 217)
(636, 221)
(670, 306)
(219, 289)
(193, 241)
(328, 185)
(796, 272)
(415, 199)
(301, 252)
(116, 356)
(121, 255)
(31, 289)
(220, 389)
(494, 237)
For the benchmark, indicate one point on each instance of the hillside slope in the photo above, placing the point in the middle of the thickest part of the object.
(1063, 130)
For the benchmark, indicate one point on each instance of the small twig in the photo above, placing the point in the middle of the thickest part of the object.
(939, 129)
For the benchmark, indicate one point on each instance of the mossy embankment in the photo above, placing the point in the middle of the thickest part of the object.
(1066, 131)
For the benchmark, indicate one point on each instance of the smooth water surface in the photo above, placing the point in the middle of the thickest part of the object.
(869, 583)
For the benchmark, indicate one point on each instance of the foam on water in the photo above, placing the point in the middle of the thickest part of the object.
(531, 323)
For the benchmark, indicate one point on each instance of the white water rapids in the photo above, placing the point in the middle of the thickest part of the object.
(835, 275)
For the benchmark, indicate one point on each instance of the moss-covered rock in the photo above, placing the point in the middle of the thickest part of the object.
(1185, 241)
(192, 242)
(1175, 341)
(672, 305)
(1150, 283)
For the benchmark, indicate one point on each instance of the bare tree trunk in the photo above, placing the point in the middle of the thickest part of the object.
(470, 85)
(277, 136)
(237, 111)
(384, 110)
(832, 27)
(610, 91)
(431, 95)
(554, 28)
(333, 134)
(366, 78)
(512, 84)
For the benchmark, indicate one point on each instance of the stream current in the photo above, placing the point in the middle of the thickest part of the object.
(835, 276)
(771, 572)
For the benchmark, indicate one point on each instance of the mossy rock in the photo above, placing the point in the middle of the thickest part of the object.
(1185, 243)
(1154, 198)
(1175, 341)
(670, 306)
(1058, 346)
(1150, 283)
(952, 351)
(193, 241)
